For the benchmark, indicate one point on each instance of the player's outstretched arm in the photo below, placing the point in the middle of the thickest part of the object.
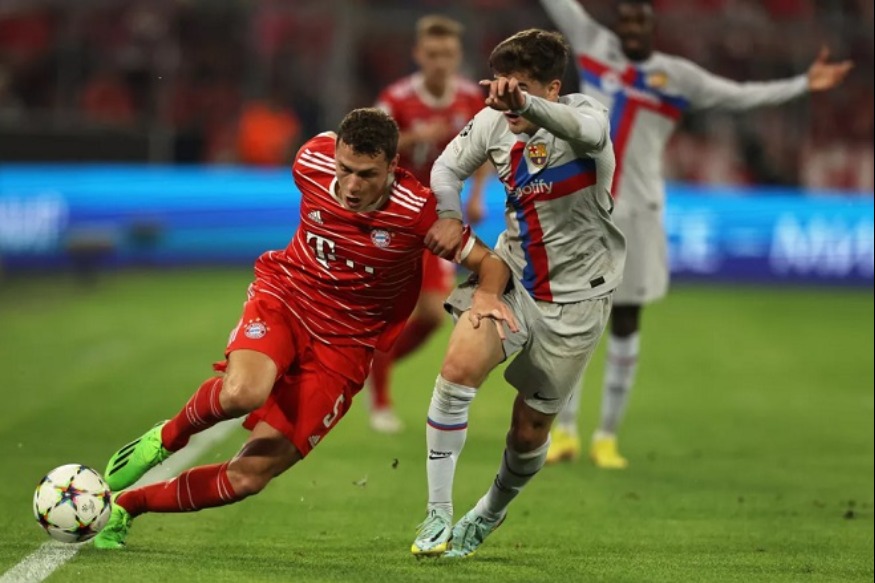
(823, 75)
(575, 23)
(706, 90)
(493, 275)
(563, 121)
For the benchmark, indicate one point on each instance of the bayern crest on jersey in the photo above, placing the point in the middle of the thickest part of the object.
(537, 154)
(381, 238)
(255, 329)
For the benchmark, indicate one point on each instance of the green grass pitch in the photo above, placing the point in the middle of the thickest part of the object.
(750, 436)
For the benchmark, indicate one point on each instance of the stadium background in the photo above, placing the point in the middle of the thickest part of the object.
(129, 221)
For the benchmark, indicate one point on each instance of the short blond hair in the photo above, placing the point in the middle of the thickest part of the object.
(438, 25)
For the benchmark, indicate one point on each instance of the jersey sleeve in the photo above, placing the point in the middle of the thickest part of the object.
(427, 217)
(319, 143)
(583, 32)
(460, 159)
(579, 121)
(706, 90)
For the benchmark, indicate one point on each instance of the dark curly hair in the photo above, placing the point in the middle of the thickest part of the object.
(540, 54)
(369, 131)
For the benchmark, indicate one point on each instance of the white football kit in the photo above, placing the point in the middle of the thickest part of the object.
(561, 244)
(646, 100)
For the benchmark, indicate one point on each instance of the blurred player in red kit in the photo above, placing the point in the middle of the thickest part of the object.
(314, 315)
(431, 106)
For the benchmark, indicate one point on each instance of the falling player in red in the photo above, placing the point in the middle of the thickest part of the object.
(316, 311)
(431, 106)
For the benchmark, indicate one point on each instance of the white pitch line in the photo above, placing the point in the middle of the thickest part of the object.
(38, 565)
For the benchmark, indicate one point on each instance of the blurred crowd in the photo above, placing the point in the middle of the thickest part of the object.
(246, 81)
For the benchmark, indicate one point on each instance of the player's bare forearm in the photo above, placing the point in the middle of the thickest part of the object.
(491, 271)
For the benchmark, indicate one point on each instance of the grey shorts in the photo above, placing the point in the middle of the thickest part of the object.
(646, 275)
(553, 345)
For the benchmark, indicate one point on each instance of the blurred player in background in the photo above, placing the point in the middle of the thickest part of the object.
(315, 313)
(430, 106)
(647, 93)
(554, 156)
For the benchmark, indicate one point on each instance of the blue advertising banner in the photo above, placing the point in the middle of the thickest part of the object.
(145, 215)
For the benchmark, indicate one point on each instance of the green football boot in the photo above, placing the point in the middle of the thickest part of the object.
(129, 463)
(112, 536)
(469, 533)
(433, 535)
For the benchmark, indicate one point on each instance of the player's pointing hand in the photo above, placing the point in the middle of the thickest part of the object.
(504, 94)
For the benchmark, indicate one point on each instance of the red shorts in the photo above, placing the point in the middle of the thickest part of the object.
(438, 275)
(316, 382)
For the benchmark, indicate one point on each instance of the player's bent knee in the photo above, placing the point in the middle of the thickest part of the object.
(527, 438)
(240, 395)
(460, 371)
(529, 429)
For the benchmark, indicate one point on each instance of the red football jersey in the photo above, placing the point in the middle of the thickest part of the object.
(350, 277)
(410, 104)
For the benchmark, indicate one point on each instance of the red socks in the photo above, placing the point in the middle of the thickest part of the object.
(194, 489)
(202, 411)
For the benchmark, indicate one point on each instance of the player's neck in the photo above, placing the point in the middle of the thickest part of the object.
(437, 89)
(434, 93)
(384, 198)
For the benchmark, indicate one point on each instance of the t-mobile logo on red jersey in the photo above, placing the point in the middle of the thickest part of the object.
(535, 187)
(324, 248)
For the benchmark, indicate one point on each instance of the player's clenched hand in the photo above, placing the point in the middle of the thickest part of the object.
(823, 75)
(489, 306)
(504, 94)
(444, 237)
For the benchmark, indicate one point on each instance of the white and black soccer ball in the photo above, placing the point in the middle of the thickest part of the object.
(72, 503)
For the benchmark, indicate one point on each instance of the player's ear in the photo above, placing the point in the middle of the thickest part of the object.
(393, 165)
(553, 89)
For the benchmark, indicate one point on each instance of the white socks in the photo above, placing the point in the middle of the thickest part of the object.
(514, 473)
(620, 369)
(619, 376)
(445, 433)
(566, 419)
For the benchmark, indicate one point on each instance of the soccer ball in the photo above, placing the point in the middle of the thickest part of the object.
(72, 503)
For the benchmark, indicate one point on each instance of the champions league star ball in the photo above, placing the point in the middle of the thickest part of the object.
(72, 503)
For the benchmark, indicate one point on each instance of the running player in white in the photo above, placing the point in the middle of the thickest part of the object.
(554, 156)
(647, 92)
